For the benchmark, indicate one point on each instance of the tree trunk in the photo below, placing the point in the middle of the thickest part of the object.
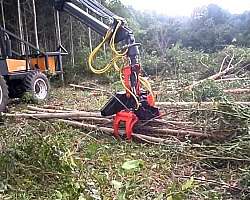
(26, 32)
(3, 16)
(90, 36)
(72, 43)
(20, 26)
(104, 45)
(59, 41)
(35, 23)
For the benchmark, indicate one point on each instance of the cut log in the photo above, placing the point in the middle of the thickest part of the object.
(148, 129)
(32, 112)
(95, 119)
(172, 122)
(195, 104)
(110, 131)
(156, 131)
(54, 115)
(36, 110)
(167, 131)
(89, 88)
(46, 110)
(232, 79)
(238, 91)
(53, 107)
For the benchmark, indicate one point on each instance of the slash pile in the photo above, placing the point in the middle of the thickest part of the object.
(177, 123)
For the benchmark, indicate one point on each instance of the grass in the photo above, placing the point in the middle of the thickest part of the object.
(50, 160)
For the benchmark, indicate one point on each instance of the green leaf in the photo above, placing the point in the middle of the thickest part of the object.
(132, 164)
(59, 195)
(160, 197)
(72, 162)
(81, 197)
(91, 150)
(121, 195)
(188, 184)
(117, 185)
(170, 197)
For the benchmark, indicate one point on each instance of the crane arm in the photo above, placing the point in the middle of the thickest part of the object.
(134, 103)
(124, 34)
(82, 16)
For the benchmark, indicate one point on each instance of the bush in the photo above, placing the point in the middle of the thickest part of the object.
(206, 91)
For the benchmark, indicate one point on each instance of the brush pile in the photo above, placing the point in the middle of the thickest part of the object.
(178, 121)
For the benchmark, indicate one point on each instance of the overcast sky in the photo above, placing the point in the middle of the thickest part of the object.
(185, 7)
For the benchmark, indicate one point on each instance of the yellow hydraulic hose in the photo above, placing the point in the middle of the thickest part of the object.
(116, 56)
(130, 92)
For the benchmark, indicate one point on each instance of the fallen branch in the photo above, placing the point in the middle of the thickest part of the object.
(110, 131)
(223, 184)
(172, 122)
(54, 107)
(231, 79)
(215, 76)
(167, 131)
(77, 114)
(195, 104)
(95, 119)
(223, 62)
(89, 88)
(47, 110)
(238, 91)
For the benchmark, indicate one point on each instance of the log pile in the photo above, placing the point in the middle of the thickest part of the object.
(154, 131)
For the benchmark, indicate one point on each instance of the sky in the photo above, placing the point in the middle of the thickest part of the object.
(185, 7)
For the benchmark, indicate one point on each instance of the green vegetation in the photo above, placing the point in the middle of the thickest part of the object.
(44, 160)
(48, 160)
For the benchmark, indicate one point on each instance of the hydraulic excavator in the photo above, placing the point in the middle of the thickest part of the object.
(134, 103)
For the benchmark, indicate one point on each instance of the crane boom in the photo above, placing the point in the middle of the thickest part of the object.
(94, 23)
(97, 8)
